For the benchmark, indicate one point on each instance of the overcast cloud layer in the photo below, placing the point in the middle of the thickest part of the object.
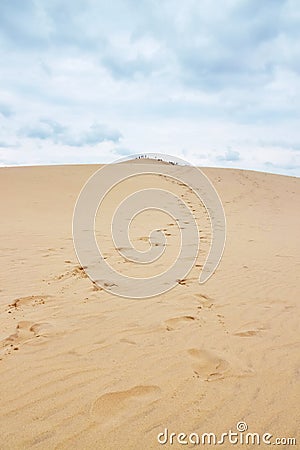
(214, 82)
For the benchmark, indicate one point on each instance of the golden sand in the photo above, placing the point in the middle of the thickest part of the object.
(83, 369)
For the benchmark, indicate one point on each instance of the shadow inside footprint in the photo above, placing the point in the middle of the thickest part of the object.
(247, 333)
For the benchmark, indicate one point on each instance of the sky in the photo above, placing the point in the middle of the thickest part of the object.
(216, 83)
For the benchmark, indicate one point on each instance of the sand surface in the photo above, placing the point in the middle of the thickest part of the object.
(83, 369)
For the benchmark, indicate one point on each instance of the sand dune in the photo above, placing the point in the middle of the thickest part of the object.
(81, 368)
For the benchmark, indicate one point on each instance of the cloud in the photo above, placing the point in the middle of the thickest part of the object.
(45, 129)
(5, 110)
(6, 145)
(51, 130)
(284, 167)
(127, 69)
(96, 134)
(230, 155)
(171, 75)
(283, 144)
(122, 151)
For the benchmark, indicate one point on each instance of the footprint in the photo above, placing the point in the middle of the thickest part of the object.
(77, 272)
(42, 329)
(108, 284)
(175, 322)
(114, 405)
(96, 287)
(208, 366)
(203, 296)
(25, 331)
(183, 281)
(32, 300)
(144, 238)
(253, 330)
(247, 333)
(204, 300)
(127, 341)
